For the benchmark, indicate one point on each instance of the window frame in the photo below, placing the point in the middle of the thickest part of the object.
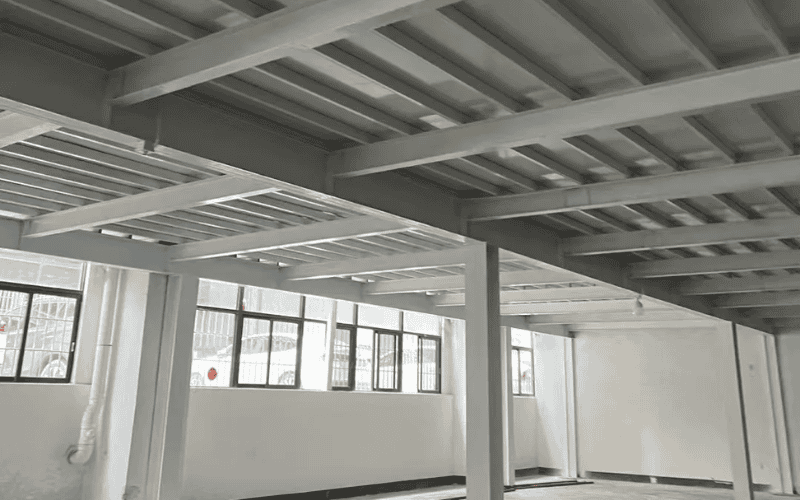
(519, 372)
(438, 341)
(351, 363)
(398, 359)
(32, 290)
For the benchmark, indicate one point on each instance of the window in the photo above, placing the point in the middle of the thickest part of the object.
(522, 362)
(253, 337)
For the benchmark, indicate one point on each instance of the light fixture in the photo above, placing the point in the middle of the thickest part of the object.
(638, 307)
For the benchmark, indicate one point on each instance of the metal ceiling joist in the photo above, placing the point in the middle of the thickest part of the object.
(15, 127)
(703, 182)
(370, 265)
(262, 241)
(709, 234)
(254, 43)
(570, 308)
(666, 317)
(740, 285)
(792, 311)
(204, 192)
(540, 295)
(683, 324)
(509, 278)
(759, 299)
(738, 263)
(751, 82)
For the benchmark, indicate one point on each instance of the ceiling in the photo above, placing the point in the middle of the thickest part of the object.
(633, 146)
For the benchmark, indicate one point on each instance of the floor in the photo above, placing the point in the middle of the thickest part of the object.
(601, 489)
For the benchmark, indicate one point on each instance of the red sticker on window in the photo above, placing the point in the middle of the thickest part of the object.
(212, 373)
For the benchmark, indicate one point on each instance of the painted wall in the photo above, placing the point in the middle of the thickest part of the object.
(550, 396)
(525, 432)
(788, 345)
(246, 443)
(39, 423)
(649, 403)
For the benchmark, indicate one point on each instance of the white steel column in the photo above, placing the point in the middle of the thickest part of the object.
(731, 379)
(156, 464)
(571, 458)
(509, 451)
(484, 368)
(330, 347)
(781, 437)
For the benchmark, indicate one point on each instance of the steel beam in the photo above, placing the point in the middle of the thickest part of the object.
(715, 265)
(665, 317)
(15, 127)
(739, 285)
(510, 278)
(540, 295)
(759, 299)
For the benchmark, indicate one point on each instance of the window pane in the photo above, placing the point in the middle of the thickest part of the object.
(264, 300)
(213, 348)
(42, 270)
(420, 323)
(217, 294)
(254, 356)
(386, 373)
(520, 338)
(410, 366)
(345, 312)
(515, 371)
(429, 365)
(283, 358)
(378, 317)
(526, 372)
(314, 364)
(13, 306)
(47, 344)
(341, 358)
(364, 359)
(318, 308)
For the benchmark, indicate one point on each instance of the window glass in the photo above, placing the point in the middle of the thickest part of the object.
(420, 323)
(345, 312)
(314, 364)
(217, 294)
(410, 366)
(520, 338)
(318, 308)
(429, 365)
(213, 348)
(254, 355)
(341, 358)
(515, 371)
(283, 357)
(268, 301)
(47, 344)
(364, 359)
(13, 307)
(526, 372)
(378, 317)
(386, 372)
(41, 270)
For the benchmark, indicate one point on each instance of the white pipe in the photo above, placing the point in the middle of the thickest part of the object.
(90, 424)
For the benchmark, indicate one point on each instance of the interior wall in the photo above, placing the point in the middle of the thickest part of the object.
(247, 443)
(788, 346)
(551, 400)
(648, 402)
(39, 423)
(526, 431)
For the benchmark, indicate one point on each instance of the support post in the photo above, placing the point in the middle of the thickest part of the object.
(571, 458)
(509, 453)
(159, 433)
(737, 423)
(776, 396)
(330, 346)
(484, 347)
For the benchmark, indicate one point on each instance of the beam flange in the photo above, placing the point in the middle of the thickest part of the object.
(679, 97)
(715, 265)
(262, 241)
(257, 42)
(509, 278)
(709, 234)
(192, 194)
(686, 184)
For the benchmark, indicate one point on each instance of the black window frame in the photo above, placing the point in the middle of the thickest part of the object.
(351, 365)
(438, 340)
(398, 359)
(32, 290)
(519, 372)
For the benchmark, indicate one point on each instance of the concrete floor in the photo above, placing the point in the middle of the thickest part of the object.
(617, 490)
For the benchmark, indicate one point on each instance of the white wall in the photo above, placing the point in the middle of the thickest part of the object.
(245, 443)
(551, 399)
(38, 422)
(526, 431)
(649, 403)
(788, 345)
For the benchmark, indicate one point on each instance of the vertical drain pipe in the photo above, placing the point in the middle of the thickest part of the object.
(90, 424)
